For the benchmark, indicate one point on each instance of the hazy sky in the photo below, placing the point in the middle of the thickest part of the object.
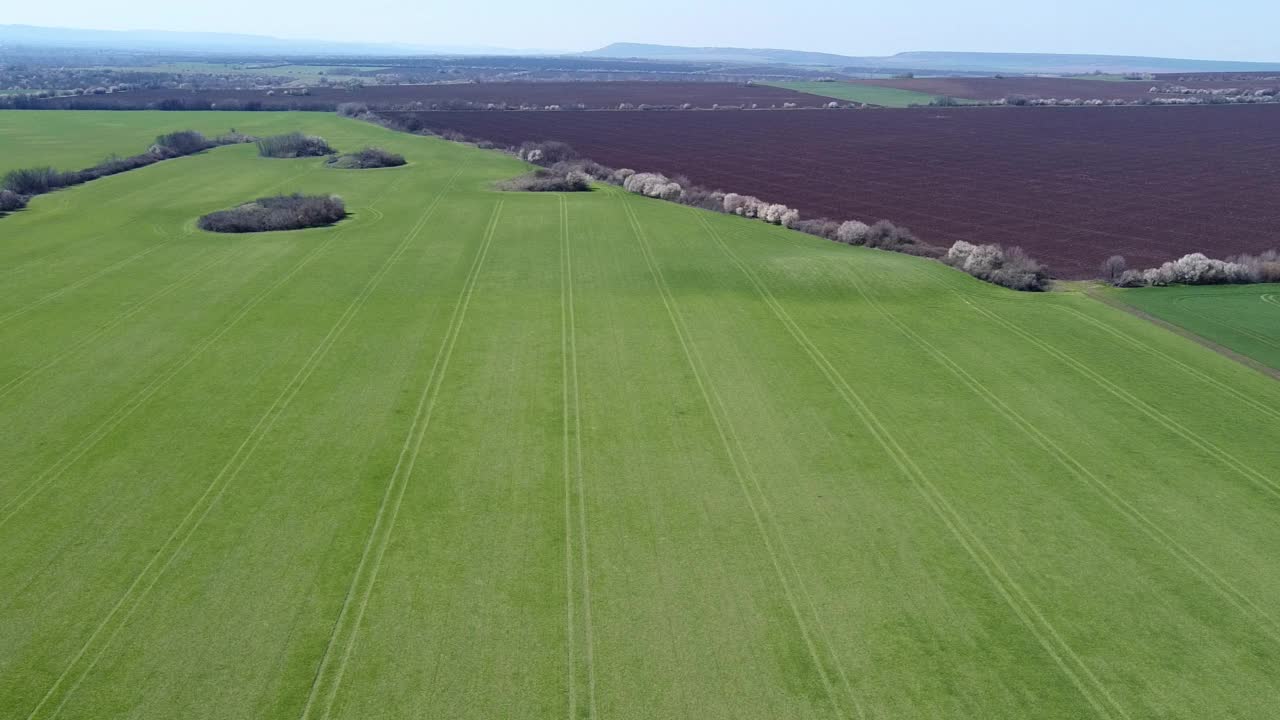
(1202, 29)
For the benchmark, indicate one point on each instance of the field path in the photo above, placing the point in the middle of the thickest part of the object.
(574, 484)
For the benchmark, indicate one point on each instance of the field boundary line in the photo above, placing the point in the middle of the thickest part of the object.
(1269, 298)
(712, 400)
(389, 508)
(1206, 446)
(574, 475)
(997, 575)
(1204, 571)
(1185, 333)
(218, 486)
(1194, 372)
(88, 340)
(1185, 301)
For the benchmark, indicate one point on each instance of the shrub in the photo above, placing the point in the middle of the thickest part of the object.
(285, 212)
(352, 109)
(548, 181)
(366, 159)
(10, 201)
(655, 185)
(852, 232)
(1012, 268)
(183, 142)
(887, 236)
(293, 145)
(1197, 269)
(33, 181)
(547, 152)
(1113, 268)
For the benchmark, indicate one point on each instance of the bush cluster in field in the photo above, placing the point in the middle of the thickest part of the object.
(367, 159)
(19, 186)
(1197, 269)
(284, 212)
(294, 145)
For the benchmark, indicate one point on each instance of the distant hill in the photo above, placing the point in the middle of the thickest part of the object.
(1028, 63)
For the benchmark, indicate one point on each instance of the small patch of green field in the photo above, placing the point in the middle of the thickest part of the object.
(472, 454)
(1244, 318)
(869, 94)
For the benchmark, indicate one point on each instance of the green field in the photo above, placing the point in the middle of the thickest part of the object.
(482, 455)
(869, 94)
(1244, 318)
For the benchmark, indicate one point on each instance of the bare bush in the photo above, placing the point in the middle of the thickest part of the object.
(366, 159)
(352, 109)
(10, 201)
(33, 181)
(1113, 268)
(544, 180)
(293, 145)
(285, 212)
(183, 142)
(547, 152)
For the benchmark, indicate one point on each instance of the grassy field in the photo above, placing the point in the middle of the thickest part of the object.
(1244, 318)
(475, 455)
(71, 141)
(870, 94)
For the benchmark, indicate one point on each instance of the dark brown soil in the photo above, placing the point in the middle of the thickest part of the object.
(1071, 185)
(1060, 88)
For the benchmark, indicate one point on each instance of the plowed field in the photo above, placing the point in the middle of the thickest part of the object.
(1072, 185)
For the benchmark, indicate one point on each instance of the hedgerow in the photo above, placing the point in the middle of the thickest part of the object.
(1012, 268)
(18, 186)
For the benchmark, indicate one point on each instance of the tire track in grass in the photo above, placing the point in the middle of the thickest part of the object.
(346, 627)
(1271, 299)
(574, 475)
(1010, 591)
(46, 299)
(725, 429)
(87, 340)
(1205, 445)
(191, 522)
(50, 475)
(1205, 572)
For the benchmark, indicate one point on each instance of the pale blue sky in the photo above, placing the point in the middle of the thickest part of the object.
(1202, 29)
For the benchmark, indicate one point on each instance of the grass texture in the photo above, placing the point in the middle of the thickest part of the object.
(479, 455)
